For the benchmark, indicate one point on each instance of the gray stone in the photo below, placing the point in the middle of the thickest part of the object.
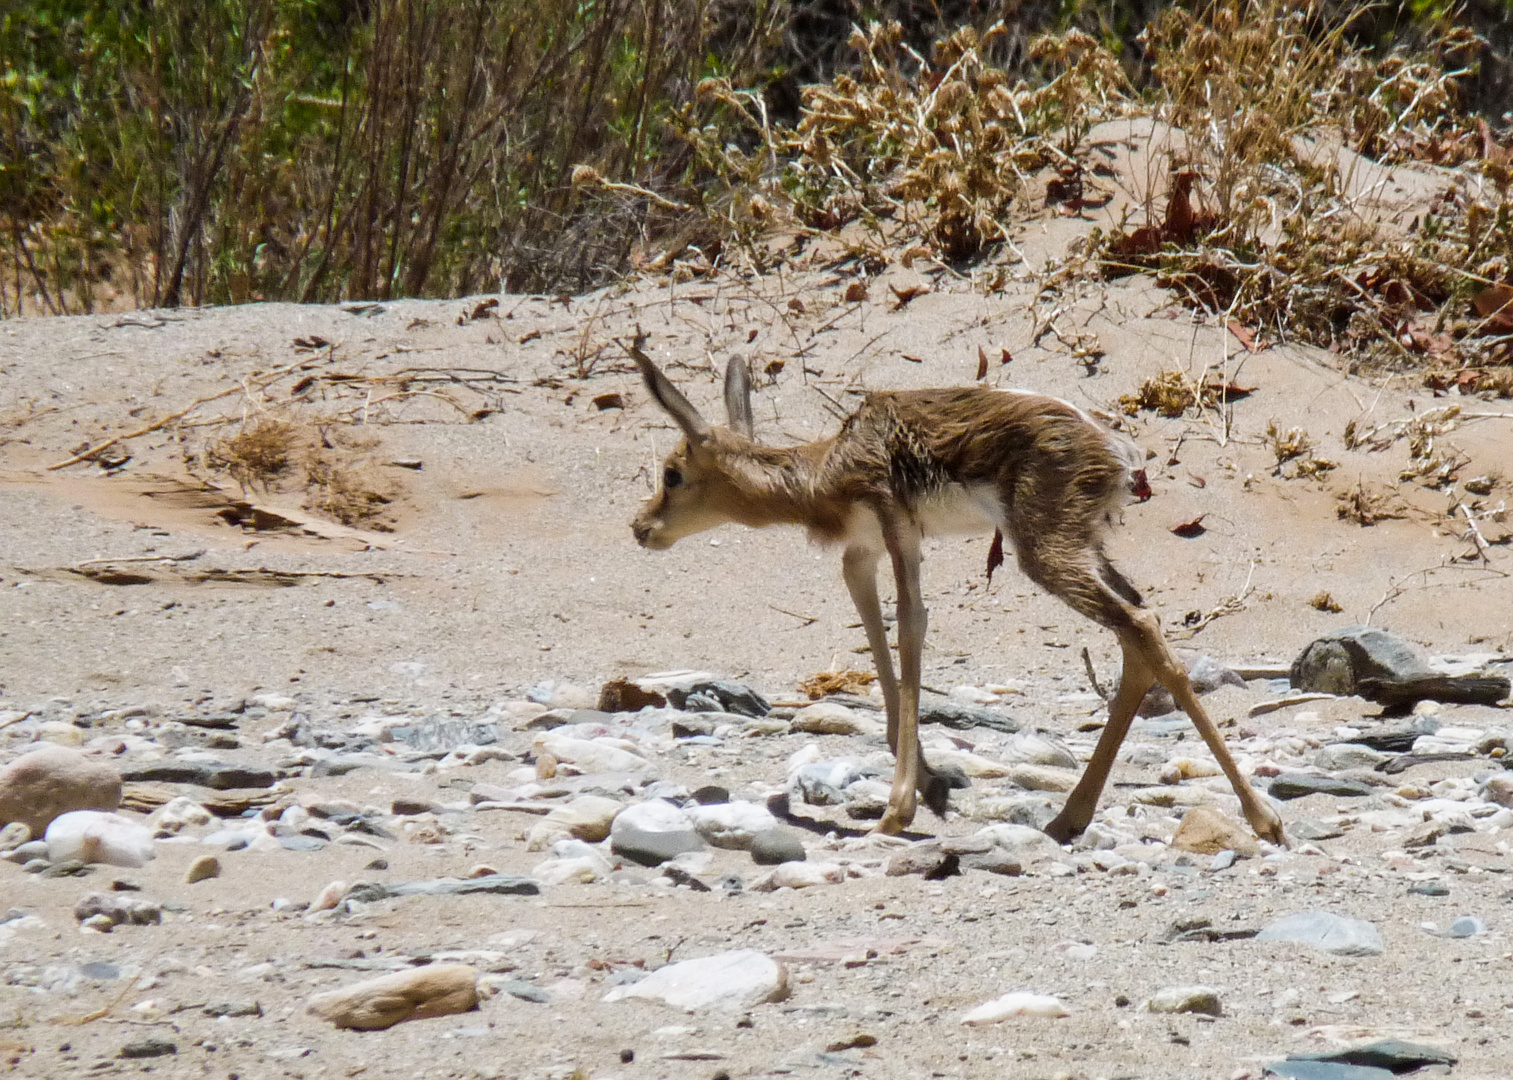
(935, 709)
(497, 884)
(150, 1047)
(776, 846)
(718, 695)
(1428, 888)
(215, 775)
(22, 854)
(1298, 785)
(53, 780)
(519, 988)
(233, 1008)
(1308, 829)
(1393, 1055)
(1305, 1069)
(1323, 930)
(118, 909)
(1336, 662)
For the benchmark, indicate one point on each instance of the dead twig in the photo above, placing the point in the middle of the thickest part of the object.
(93, 451)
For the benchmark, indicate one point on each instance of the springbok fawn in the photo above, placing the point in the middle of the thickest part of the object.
(912, 464)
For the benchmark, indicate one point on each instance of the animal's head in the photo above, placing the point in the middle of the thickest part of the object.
(699, 488)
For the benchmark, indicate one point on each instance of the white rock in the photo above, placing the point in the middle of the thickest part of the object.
(1037, 748)
(729, 980)
(974, 765)
(588, 817)
(830, 718)
(732, 824)
(800, 875)
(1018, 1003)
(1186, 768)
(93, 836)
(1186, 999)
(329, 897)
(180, 812)
(584, 868)
(1043, 778)
(590, 755)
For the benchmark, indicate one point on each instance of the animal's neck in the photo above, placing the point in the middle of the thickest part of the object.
(784, 486)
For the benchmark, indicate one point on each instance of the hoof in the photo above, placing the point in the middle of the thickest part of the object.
(1062, 830)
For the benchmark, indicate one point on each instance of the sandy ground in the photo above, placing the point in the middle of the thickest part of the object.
(509, 562)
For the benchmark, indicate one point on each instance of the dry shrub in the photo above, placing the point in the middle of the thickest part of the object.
(1170, 393)
(1294, 448)
(836, 682)
(256, 456)
(1265, 91)
(1366, 506)
(1323, 601)
(943, 146)
(330, 467)
(343, 482)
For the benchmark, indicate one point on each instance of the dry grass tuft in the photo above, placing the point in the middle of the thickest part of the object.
(1365, 506)
(836, 682)
(1170, 393)
(330, 467)
(256, 456)
(1323, 601)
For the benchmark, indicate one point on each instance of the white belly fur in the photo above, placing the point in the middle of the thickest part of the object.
(961, 510)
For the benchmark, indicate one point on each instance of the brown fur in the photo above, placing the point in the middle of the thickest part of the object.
(1048, 475)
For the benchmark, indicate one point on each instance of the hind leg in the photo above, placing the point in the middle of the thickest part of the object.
(1087, 582)
(1082, 803)
(1154, 652)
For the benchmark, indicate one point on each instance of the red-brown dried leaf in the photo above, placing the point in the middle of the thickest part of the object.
(905, 295)
(1495, 304)
(1190, 529)
(982, 362)
(1245, 336)
(995, 554)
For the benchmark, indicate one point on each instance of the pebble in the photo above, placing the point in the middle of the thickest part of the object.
(1335, 934)
(202, 869)
(1018, 1003)
(729, 980)
(210, 774)
(53, 780)
(777, 845)
(149, 1047)
(1021, 843)
(432, 990)
(1206, 831)
(1042, 778)
(1186, 999)
(94, 836)
(1038, 748)
(1467, 926)
(118, 910)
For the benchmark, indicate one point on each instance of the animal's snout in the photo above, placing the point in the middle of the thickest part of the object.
(641, 530)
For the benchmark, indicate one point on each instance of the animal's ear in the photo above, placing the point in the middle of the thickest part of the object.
(668, 396)
(738, 397)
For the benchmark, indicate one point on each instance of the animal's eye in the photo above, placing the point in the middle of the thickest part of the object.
(671, 477)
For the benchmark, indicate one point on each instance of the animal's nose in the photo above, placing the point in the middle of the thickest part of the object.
(642, 532)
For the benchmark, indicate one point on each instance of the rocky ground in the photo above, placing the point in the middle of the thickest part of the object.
(386, 732)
